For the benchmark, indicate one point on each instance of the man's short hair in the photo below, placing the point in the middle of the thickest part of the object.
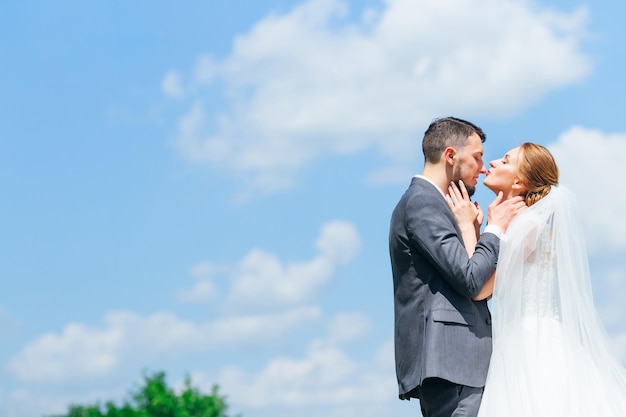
(447, 131)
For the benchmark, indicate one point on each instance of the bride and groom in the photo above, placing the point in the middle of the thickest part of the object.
(550, 355)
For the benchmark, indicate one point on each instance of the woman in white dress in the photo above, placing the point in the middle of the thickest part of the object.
(551, 354)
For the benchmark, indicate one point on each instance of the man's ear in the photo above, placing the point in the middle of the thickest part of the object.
(449, 154)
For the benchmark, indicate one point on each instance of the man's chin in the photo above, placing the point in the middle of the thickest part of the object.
(471, 189)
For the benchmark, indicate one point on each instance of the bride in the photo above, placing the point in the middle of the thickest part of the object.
(551, 355)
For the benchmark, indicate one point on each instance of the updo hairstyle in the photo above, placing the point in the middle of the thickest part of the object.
(538, 171)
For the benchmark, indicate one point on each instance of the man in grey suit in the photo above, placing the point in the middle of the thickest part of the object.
(443, 335)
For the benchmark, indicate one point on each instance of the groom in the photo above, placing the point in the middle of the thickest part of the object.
(442, 336)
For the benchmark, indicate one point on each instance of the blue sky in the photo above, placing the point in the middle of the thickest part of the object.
(205, 188)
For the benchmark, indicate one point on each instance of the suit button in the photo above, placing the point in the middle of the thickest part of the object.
(488, 320)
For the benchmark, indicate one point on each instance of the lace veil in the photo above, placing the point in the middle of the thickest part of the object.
(552, 355)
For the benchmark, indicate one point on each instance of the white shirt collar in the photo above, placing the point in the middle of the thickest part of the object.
(434, 185)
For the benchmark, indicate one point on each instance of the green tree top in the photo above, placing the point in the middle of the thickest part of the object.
(155, 399)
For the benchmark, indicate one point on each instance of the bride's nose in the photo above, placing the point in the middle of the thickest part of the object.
(492, 164)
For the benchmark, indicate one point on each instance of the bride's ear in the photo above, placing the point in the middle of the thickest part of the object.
(518, 185)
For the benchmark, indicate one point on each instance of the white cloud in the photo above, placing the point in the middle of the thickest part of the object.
(339, 242)
(262, 280)
(325, 379)
(82, 352)
(23, 402)
(287, 381)
(171, 85)
(95, 355)
(590, 161)
(312, 81)
(347, 327)
(204, 289)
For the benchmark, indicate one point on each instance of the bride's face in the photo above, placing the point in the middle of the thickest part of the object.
(502, 174)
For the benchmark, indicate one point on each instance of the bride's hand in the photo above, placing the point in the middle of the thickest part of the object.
(480, 216)
(464, 210)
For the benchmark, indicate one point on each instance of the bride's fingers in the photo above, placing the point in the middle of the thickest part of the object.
(454, 192)
(461, 191)
(450, 202)
(464, 192)
(479, 213)
(454, 199)
(450, 193)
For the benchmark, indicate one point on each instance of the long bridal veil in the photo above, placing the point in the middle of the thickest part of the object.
(551, 354)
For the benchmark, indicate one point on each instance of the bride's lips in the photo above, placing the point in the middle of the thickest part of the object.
(488, 172)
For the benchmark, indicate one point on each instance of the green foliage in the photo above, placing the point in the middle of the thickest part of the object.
(155, 399)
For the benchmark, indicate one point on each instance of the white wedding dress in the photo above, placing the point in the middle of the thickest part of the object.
(551, 355)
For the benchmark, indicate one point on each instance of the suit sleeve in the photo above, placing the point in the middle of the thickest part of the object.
(432, 230)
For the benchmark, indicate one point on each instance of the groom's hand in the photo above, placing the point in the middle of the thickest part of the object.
(500, 212)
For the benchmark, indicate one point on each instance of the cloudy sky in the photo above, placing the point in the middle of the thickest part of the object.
(205, 188)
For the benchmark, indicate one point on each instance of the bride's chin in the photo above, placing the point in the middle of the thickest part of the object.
(491, 188)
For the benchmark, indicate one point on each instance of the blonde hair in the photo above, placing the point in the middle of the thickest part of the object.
(538, 171)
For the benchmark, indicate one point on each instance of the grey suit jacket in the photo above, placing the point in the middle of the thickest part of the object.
(439, 330)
